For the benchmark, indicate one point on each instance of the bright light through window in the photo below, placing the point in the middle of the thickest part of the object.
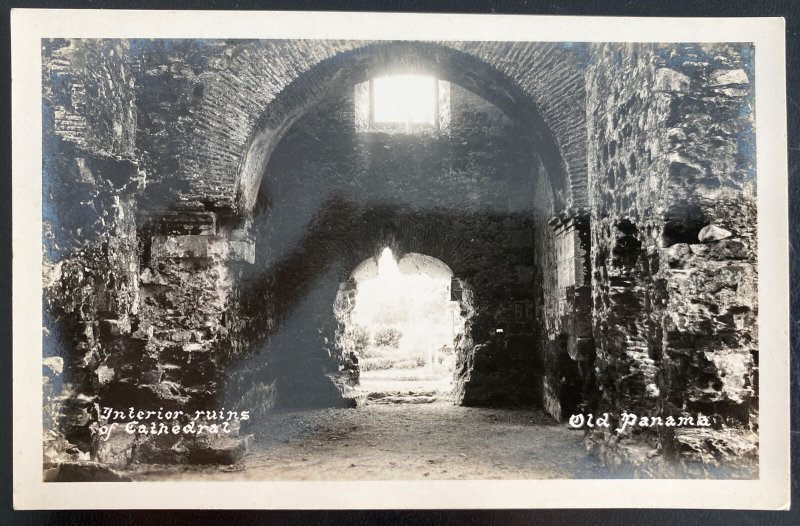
(407, 99)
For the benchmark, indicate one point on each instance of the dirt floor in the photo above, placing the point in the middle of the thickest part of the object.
(397, 438)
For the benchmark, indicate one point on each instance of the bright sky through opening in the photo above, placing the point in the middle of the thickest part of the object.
(407, 99)
(417, 304)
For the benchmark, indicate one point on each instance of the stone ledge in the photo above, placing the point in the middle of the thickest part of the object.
(700, 453)
(223, 451)
(180, 222)
(201, 247)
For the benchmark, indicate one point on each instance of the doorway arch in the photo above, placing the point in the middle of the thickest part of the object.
(403, 322)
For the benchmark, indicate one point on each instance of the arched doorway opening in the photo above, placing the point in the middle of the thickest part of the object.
(401, 323)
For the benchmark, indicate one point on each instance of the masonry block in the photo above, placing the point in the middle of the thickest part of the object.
(185, 247)
(180, 222)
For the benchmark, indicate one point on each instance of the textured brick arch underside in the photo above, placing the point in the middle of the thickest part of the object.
(269, 85)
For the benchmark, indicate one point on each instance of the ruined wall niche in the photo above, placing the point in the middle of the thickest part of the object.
(672, 194)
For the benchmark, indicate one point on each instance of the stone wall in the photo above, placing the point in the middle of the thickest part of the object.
(672, 190)
(90, 246)
(89, 88)
(167, 104)
(133, 300)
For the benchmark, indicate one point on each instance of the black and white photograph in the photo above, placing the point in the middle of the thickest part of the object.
(450, 258)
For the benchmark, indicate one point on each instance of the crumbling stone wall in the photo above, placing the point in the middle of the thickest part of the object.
(89, 90)
(90, 246)
(189, 243)
(133, 301)
(672, 191)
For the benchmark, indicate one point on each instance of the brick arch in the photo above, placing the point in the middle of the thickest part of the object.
(464, 68)
(404, 233)
(248, 88)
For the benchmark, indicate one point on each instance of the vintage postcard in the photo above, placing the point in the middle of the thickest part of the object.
(340, 260)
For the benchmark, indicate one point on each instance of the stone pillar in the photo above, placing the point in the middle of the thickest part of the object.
(570, 347)
(184, 287)
(571, 232)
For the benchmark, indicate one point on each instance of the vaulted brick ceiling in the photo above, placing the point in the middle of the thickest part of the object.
(240, 97)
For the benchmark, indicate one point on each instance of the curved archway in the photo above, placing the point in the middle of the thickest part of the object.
(401, 325)
(333, 227)
(517, 94)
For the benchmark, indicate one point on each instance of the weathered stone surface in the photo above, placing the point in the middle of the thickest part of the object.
(670, 80)
(735, 92)
(724, 250)
(713, 233)
(244, 250)
(53, 366)
(628, 458)
(115, 328)
(678, 253)
(167, 391)
(722, 77)
(106, 123)
(88, 472)
(104, 374)
(180, 222)
(222, 451)
(717, 453)
(152, 453)
(184, 247)
(674, 290)
(116, 449)
(202, 247)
